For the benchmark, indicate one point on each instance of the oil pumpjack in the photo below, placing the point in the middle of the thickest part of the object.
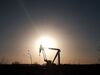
(42, 49)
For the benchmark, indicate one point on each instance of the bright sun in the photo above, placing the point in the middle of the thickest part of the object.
(46, 41)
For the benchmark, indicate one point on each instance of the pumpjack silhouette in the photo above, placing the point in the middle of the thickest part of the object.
(42, 49)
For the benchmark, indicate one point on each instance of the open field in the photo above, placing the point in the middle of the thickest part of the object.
(25, 69)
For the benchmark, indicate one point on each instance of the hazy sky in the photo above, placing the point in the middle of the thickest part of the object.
(74, 24)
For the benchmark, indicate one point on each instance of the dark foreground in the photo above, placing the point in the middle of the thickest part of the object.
(50, 70)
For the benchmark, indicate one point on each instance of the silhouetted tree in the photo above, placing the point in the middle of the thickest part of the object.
(16, 62)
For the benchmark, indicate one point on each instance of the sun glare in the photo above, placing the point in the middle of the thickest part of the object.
(46, 42)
